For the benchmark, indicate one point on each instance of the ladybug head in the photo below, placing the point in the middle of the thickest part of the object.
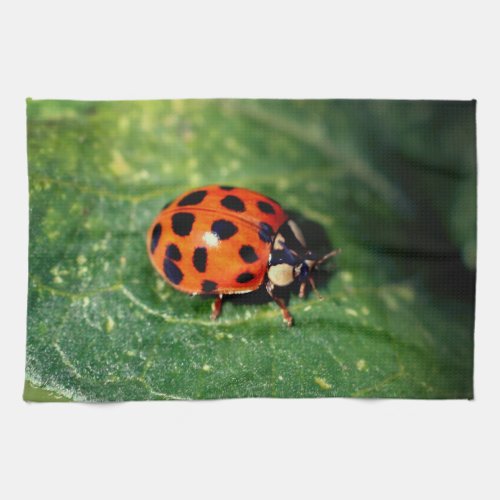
(290, 260)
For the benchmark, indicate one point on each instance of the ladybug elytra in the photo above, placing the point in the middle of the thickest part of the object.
(219, 240)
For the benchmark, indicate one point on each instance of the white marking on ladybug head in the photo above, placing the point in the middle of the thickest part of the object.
(281, 274)
(310, 263)
(297, 232)
(279, 242)
(211, 239)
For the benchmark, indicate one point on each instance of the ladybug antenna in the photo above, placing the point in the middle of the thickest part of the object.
(310, 279)
(327, 256)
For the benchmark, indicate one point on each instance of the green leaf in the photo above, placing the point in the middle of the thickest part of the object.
(103, 326)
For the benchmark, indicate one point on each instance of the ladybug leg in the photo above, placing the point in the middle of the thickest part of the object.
(313, 286)
(302, 289)
(216, 307)
(287, 317)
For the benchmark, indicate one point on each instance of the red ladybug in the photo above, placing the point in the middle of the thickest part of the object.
(219, 240)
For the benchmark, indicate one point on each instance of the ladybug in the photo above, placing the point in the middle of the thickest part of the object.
(220, 240)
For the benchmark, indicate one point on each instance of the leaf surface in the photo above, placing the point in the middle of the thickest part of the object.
(102, 325)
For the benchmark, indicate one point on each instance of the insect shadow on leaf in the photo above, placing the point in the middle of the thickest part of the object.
(319, 243)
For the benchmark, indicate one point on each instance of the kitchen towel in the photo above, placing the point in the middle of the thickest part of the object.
(391, 184)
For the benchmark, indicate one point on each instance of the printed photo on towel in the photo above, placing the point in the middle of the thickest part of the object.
(207, 249)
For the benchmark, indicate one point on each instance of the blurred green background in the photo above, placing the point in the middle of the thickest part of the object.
(392, 183)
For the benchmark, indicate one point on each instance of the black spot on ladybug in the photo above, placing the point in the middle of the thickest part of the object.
(173, 252)
(245, 277)
(265, 207)
(167, 205)
(172, 272)
(155, 237)
(200, 259)
(265, 232)
(182, 223)
(192, 198)
(233, 203)
(227, 188)
(208, 286)
(224, 229)
(247, 253)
